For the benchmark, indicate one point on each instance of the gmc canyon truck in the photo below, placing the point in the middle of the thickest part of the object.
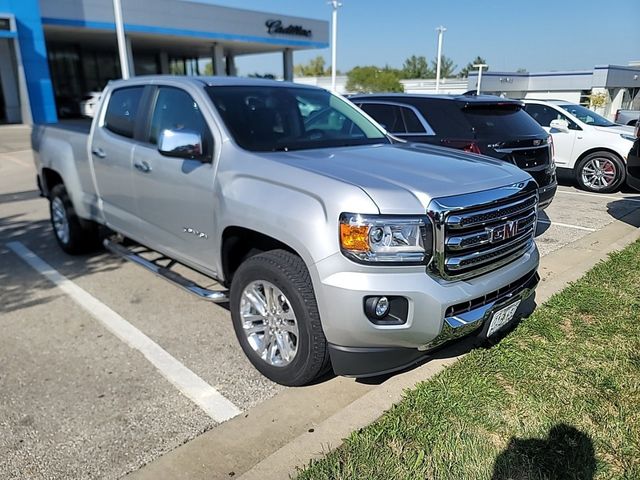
(334, 244)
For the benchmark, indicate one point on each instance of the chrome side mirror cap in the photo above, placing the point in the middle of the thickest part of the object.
(180, 143)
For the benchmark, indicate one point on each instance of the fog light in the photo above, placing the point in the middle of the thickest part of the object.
(377, 307)
(382, 307)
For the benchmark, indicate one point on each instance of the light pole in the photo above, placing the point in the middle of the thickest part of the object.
(122, 41)
(440, 31)
(479, 66)
(335, 4)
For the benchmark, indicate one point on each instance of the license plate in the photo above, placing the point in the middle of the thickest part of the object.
(502, 317)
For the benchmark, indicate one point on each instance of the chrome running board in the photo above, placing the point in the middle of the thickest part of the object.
(215, 296)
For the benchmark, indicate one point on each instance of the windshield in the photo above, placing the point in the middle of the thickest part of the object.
(274, 118)
(587, 116)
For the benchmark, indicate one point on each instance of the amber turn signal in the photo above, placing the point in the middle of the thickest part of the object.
(354, 237)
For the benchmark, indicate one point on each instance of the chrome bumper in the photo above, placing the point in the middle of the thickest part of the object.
(460, 325)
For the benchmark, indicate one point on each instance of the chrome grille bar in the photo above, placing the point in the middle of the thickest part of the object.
(477, 233)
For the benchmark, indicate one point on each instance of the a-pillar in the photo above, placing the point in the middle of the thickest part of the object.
(287, 64)
(217, 60)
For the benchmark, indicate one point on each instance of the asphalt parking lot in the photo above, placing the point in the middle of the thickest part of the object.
(77, 401)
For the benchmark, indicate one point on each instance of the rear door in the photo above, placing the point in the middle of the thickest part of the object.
(563, 142)
(175, 198)
(111, 150)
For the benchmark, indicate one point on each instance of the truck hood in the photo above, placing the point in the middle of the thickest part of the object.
(404, 178)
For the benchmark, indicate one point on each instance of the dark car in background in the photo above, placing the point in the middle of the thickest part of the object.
(633, 162)
(483, 124)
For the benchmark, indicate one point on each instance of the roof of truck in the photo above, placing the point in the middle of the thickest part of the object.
(213, 81)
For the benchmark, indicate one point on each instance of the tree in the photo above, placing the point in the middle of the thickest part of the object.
(417, 67)
(373, 79)
(464, 73)
(447, 67)
(269, 76)
(521, 70)
(313, 68)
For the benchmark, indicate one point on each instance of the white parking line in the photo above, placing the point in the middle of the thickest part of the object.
(191, 385)
(567, 225)
(601, 195)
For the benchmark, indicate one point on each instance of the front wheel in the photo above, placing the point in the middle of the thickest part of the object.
(275, 317)
(73, 234)
(601, 172)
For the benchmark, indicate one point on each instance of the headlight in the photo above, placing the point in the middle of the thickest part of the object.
(389, 239)
(628, 137)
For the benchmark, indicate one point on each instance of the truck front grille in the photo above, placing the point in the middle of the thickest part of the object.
(481, 232)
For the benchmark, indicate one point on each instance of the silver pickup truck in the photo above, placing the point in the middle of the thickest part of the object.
(334, 244)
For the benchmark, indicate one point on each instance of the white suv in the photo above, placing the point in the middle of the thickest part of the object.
(585, 142)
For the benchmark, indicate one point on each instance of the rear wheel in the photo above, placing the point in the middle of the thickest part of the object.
(276, 319)
(601, 172)
(73, 234)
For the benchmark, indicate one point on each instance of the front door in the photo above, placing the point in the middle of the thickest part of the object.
(175, 198)
(562, 141)
(111, 152)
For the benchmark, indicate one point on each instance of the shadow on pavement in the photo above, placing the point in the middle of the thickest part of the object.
(543, 223)
(620, 210)
(566, 453)
(19, 196)
(18, 291)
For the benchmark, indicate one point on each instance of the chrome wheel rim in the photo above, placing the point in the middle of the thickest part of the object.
(60, 221)
(269, 323)
(599, 173)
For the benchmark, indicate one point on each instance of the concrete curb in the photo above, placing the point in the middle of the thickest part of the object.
(557, 269)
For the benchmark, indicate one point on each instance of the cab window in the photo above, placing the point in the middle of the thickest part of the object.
(120, 117)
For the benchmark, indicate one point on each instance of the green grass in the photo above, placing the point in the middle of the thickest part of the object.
(558, 398)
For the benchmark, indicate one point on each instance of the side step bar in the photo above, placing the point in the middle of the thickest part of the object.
(215, 296)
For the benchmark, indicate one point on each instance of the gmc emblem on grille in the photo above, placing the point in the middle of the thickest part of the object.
(502, 232)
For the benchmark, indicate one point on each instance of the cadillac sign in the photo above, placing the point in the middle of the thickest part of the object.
(275, 27)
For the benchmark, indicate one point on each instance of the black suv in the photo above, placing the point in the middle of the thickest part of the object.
(485, 124)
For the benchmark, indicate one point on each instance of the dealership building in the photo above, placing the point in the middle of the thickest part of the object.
(54, 52)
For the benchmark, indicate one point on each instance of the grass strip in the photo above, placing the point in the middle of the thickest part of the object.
(559, 398)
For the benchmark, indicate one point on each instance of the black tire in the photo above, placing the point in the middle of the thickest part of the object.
(82, 235)
(288, 273)
(612, 161)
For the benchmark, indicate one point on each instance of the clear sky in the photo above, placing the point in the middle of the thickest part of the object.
(538, 35)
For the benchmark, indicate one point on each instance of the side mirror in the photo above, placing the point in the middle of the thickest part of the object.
(180, 143)
(560, 125)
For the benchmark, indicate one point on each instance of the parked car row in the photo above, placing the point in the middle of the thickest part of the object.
(564, 135)
(336, 244)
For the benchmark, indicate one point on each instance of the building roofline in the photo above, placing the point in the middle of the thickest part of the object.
(179, 32)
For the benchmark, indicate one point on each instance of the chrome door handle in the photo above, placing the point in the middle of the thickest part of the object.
(143, 166)
(98, 152)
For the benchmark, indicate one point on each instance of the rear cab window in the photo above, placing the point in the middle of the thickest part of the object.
(122, 110)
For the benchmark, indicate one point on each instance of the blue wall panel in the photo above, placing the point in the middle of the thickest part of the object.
(34, 58)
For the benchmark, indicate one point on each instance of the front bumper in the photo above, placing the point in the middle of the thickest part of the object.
(349, 332)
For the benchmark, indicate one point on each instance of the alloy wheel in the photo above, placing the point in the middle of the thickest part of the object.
(269, 323)
(599, 173)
